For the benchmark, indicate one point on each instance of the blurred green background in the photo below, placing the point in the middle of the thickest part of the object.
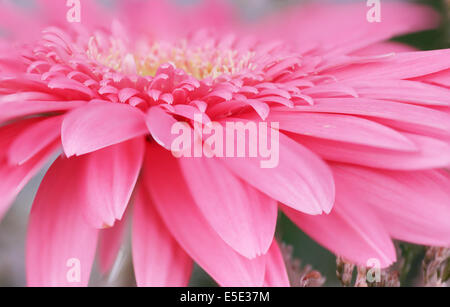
(13, 227)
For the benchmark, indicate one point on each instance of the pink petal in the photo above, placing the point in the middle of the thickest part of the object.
(301, 180)
(110, 241)
(59, 240)
(405, 65)
(413, 206)
(441, 78)
(383, 48)
(28, 96)
(191, 112)
(431, 153)
(416, 119)
(342, 128)
(34, 139)
(351, 231)
(16, 109)
(276, 274)
(323, 24)
(245, 218)
(71, 87)
(110, 177)
(187, 224)
(126, 94)
(404, 91)
(160, 124)
(158, 259)
(14, 178)
(10, 132)
(99, 125)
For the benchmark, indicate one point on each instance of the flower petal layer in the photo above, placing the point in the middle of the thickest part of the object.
(99, 125)
(177, 208)
(158, 259)
(60, 244)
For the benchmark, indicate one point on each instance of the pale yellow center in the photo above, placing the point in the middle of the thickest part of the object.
(202, 62)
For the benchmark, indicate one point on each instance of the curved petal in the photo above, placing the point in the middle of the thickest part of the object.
(9, 133)
(300, 180)
(60, 244)
(110, 241)
(407, 91)
(416, 119)
(158, 259)
(432, 153)
(14, 178)
(383, 48)
(403, 65)
(160, 124)
(352, 230)
(187, 224)
(99, 125)
(342, 128)
(34, 139)
(109, 179)
(244, 218)
(413, 206)
(276, 274)
(15, 109)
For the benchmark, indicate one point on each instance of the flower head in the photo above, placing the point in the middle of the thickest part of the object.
(364, 137)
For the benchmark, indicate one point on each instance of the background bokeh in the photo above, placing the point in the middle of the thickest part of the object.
(13, 227)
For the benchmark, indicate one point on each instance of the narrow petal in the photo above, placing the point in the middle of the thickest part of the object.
(10, 132)
(71, 87)
(34, 139)
(14, 178)
(383, 48)
(404, 91)
(187, 224)
(245, 218)
(17, 109)
(158, 259)
(109, 179)
(404, 65)
(160, 124)
(353, 232)
(416, 119)
(110, 241)
(431, 153)
(60, 244)
(300, 179)
(414, 206)
(441, 78)
(99, 125)
(276, 274)
(342, 128)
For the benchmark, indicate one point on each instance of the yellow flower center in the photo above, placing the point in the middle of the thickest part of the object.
(203, 61)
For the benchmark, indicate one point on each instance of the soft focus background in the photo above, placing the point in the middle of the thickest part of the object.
(13, 227)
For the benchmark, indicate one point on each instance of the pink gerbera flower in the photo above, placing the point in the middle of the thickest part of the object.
(365, 135)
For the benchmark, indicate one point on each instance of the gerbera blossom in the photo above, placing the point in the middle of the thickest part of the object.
(365, 130)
